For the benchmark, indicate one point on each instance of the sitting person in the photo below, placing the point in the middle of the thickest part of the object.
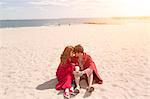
(64, 72)
(87, 69)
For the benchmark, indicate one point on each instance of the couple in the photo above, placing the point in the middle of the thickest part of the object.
(74, 66)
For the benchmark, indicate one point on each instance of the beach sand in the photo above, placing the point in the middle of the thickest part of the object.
(29, 57)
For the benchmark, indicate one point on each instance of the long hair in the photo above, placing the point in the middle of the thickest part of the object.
(66, 54)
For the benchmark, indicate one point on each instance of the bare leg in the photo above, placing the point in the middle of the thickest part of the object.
(77, 77)
(90, 80)
(77, 80)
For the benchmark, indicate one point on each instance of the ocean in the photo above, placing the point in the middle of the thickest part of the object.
(68, 21)
(39, 22)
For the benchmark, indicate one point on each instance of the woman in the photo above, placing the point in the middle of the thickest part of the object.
(64, 72)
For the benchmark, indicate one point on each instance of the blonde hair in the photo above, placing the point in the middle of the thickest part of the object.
(66, 54)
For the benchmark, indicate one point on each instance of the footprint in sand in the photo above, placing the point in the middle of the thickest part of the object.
(148, 79)
(103, 89)
(104, 97)
(114, 85)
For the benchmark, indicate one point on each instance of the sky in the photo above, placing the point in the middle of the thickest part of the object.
(49, 9)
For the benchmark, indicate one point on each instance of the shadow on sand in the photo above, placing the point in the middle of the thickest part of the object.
(87, 94)
(84, 85)
(52, 83)
(47, 85)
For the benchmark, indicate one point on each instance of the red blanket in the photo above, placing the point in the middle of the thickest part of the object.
(88, 63)
(64, 75)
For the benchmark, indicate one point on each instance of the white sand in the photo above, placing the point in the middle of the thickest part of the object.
(29, 58)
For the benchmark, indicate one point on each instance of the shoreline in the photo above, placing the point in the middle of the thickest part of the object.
(69, 22)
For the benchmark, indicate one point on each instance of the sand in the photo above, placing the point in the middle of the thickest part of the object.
(29, 57)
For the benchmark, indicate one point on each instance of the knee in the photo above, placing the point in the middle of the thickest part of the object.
(77, 68)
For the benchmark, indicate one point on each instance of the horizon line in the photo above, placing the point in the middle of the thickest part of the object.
(113, 17)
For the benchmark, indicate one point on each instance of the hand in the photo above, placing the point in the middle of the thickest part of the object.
(77, 73)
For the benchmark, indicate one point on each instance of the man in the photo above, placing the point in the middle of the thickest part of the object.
(87, 67)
